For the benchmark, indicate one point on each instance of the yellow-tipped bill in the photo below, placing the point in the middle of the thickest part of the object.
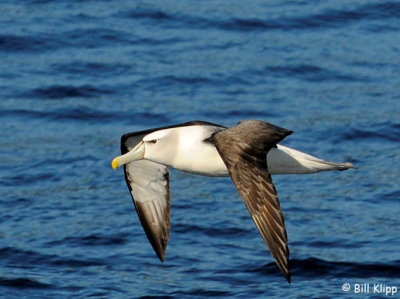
(137, 153)
(115, 163)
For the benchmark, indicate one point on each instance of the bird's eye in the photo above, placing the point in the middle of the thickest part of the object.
(154, 141)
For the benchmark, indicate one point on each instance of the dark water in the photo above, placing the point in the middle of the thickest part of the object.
(75, 75)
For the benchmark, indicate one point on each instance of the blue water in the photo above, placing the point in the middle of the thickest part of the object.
(76, 75)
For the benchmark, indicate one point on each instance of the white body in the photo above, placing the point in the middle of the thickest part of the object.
(189, 152)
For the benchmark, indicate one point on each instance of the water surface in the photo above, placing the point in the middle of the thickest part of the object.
(75, 76)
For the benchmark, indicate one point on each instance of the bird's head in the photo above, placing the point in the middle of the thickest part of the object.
(155, 146)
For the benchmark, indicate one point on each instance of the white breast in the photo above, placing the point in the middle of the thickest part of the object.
(194, 155)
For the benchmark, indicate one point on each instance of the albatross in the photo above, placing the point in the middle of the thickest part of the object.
(248, 152)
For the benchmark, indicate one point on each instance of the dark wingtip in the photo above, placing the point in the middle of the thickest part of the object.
(161, 256)
(287, 275)
(288, 278)
(285, 270)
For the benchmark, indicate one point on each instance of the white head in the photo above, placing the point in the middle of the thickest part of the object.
(157, 146)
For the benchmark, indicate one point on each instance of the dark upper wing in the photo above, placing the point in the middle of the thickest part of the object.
(148, 183)
(243, 148)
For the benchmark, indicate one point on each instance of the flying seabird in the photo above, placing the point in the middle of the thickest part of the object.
(249, 153)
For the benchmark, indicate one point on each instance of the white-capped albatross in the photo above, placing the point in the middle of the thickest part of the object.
(248, 152)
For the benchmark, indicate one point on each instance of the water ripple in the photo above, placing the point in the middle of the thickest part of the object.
(312, 73)
(85, 114)
(61, 92)
(31, 259)
(24, 283)
(21, 43)
(313, 267)
(379, 131)
(91, 240)
(329, 18)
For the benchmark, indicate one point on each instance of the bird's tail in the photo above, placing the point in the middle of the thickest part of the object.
(285, 160)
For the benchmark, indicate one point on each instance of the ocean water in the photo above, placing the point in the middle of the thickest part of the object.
(76, 75)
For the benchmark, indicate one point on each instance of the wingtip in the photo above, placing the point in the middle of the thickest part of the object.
(346, 166)
(285, 270)
(287, 275)
(288, 278)
(161, 256)
(350, 165)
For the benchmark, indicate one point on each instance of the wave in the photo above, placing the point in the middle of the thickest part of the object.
(327, 18)
(312, 73)
(387, 131)
(395, 195)
(65, 91)
(238, 114)
(92, 69)
(28, 179)
(29, 43)
(29, 259)
(77, 38)
(314, 267)
(92, 240)
(86, 114)
(23, 283)
(103, 36)
(210, 231)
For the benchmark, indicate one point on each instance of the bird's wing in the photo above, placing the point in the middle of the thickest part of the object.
(243, 148)
(148, 183)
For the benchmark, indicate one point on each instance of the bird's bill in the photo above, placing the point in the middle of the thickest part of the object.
(137, 153)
